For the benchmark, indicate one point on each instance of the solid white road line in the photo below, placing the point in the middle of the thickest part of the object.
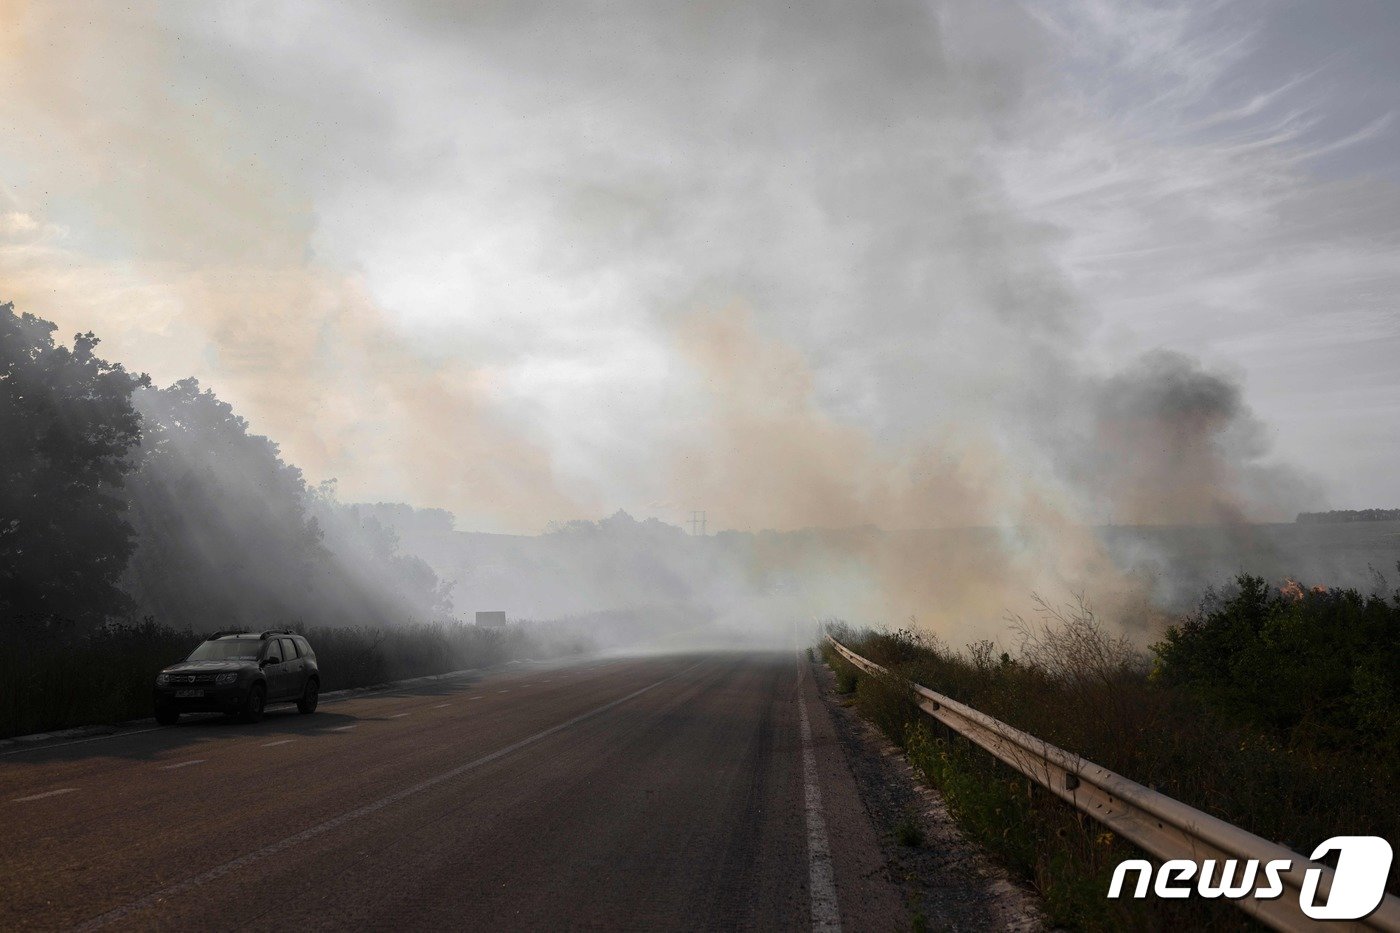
(826, 915)
(278, 742)
(218, 872)
(184, 764)
(47, 793)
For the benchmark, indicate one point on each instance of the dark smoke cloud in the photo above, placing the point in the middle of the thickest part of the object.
(1176, 444)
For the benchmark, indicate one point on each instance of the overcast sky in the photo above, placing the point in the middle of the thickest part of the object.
(531, 260)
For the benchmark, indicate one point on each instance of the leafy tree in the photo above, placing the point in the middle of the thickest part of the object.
(118, 497)
(230, 536)
(67, 426)
(225, 539)
(371, 571)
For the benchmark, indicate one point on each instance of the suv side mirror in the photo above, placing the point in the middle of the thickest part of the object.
(271, 659)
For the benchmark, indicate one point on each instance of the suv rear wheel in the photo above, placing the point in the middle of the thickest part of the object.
(253, 706)
(310, 696)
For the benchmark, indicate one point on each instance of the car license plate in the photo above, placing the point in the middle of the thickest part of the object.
(189, 693)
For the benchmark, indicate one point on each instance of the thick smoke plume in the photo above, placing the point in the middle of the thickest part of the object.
(535, 265)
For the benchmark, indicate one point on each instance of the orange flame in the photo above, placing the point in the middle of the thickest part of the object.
(1295, 591)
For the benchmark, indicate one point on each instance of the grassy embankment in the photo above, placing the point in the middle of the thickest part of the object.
(53, 677)
(1274, 711)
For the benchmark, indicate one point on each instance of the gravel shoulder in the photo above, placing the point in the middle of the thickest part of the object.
(947, 881)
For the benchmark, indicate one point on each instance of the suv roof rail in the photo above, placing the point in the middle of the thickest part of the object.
(276, 631)
(225, 633)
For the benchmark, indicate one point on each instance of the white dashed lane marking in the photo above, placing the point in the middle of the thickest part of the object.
(183, 764)
(278, 742)
(213, 874)
(344, 728)
(442, 706)
(47, 793)
(398, 715)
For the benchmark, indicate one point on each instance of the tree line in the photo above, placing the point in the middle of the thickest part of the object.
(1337, 516)
(120, 499)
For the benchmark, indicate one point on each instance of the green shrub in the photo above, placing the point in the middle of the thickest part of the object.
(1310, 666)
(888, 703)
(847, 675)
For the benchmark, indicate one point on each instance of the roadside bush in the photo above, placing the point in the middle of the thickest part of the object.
(1198, 727)
(55, 676)
(354, 657)
(1309, 666)
(888, 703)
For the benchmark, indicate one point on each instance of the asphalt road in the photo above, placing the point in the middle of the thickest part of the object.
(678, 792)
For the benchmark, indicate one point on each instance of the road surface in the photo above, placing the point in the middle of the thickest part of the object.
(679, 792)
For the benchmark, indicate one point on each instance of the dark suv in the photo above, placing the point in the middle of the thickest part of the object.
(239, 673)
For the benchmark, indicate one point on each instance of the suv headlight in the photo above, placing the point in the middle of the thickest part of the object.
(162, 678)
(223, 680)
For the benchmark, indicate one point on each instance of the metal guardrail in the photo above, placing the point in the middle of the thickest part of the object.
(1164, 827)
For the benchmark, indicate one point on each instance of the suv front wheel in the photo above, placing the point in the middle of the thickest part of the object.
(253, 706)
(310, 696)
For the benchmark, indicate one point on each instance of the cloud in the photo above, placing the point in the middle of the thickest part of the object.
(1191, 158)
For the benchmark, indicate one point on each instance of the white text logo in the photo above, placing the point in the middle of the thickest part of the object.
(1358, 883)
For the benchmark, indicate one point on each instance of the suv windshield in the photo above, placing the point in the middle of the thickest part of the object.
(226, 648)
